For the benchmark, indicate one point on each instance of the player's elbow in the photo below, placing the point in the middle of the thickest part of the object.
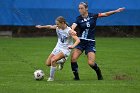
(107, 15)
(103, 15)
(73, 26)
(78, 40)
(48, 27)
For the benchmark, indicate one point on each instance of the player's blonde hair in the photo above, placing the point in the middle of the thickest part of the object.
(61, 19)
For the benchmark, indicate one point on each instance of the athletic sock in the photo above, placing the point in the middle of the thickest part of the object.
(95, 67)
(74, 67)
(97, 70)
(52, 71)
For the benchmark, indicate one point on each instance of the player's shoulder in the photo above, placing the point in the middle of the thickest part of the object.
(68, 28)
(57, 29)
(79, 17)
(93, 14)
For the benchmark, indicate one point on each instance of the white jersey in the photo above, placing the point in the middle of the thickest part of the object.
(64, 38)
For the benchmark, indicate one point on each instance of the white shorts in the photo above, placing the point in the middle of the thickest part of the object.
(66, 52)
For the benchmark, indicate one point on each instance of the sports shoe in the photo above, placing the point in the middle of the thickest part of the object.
(100, 78)
(50, 79)
(76, 79)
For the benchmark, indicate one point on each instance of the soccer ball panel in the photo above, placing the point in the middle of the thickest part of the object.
(39, 74)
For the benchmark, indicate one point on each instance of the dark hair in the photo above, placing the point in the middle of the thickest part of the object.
(85, 4)
(61, 19)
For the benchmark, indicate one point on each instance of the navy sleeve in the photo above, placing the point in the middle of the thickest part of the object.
(95, 15)
(76, 21)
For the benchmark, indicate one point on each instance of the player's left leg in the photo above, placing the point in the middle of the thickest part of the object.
(93, 65)
(90, 52)
(54, 59)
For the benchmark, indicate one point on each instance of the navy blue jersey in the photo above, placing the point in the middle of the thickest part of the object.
(87, 26)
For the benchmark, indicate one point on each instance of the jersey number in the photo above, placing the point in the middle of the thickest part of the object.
(88, 24)
(63, 39)
(85, 33)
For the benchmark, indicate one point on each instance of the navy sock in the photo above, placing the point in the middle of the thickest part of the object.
(98, 71)
(95, 67)
(74, 67)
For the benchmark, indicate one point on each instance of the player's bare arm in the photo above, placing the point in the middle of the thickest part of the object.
(73, 32)
(77, 41)
(111, 12)
(47, 26)
(74, 25)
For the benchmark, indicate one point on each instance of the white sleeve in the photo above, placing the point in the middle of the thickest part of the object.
(57, 29)
(75, 24)
(68, 31)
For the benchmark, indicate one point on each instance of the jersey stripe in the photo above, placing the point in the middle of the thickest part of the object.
(86, 39)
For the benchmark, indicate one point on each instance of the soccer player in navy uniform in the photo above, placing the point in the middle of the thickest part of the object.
(86, 22)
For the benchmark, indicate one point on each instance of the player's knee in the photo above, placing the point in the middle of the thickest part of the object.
(90, 62)
(53, 60)
(73, 59)
(48, 64)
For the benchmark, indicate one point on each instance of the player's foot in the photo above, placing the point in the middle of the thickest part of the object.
(60, 66)
(76, 79)
(100, 77)
(50, 79)
(76, 76)
(99, 74)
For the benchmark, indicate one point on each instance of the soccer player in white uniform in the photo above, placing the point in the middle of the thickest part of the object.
(63, 47)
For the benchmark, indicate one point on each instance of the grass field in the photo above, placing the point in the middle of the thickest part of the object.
(119, 59)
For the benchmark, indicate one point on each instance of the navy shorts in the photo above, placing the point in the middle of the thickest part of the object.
(87, 46)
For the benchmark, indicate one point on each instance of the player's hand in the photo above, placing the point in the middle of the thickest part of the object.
(72, 32)
(71, 47)
(38, 26)
(120, 9)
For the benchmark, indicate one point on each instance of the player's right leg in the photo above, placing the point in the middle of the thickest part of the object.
(74, 66)
(93, 65)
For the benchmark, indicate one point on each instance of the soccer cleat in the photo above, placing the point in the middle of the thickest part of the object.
(76, 79)
(100, 77)
(50, 79)
(60, 66)
(76, 76)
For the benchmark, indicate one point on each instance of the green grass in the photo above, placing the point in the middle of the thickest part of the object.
(119, 59)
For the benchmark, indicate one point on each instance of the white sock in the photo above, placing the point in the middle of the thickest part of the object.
(61, 61)
(52, 71)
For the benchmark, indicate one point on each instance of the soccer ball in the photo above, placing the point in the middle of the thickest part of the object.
(39, 75)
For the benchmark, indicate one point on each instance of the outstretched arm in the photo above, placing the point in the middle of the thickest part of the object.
(47, 26)
(111, 12)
